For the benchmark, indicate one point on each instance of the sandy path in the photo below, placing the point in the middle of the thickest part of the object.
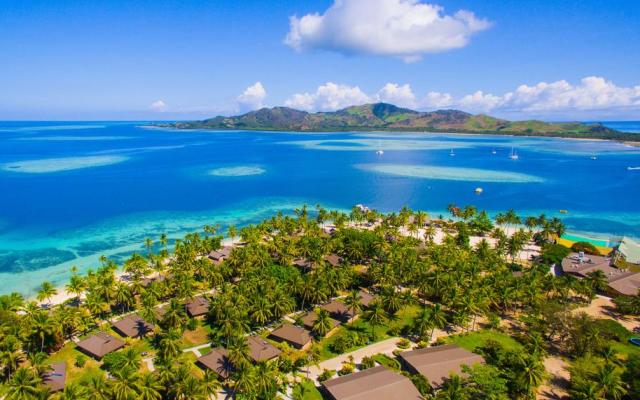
(555, 386)
(602, 307)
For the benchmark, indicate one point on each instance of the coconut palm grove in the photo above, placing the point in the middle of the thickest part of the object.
(301, 305)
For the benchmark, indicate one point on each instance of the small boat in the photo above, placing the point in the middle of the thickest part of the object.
(478, 190)
(633, 168)
(379, 152)
(513, 155)
(494, 151)
(564, 212)
(452, 153)
(594, 157)
(635, 340)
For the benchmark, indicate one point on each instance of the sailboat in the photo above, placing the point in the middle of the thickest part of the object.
(452, 153)
(513, 155)
(380, 151)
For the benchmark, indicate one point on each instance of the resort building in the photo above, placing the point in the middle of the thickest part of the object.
(310, 318)
(99, 345)
(197, 306)
(437, 363)
(629, 250)
(54, 379)
(133, 326)
(218, 256)
(620, 281)
(296, 337)
(366, 298)
(333, 259)
(303, 264)
(377, 383)
(261, 350)
(339, 311)
(146, 281)
(217, 361)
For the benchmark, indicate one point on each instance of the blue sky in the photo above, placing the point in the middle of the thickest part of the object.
(193, 59)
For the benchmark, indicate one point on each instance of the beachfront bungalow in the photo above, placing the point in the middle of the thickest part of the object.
(198, 306)
(333, 259)
(310, 318)
(133, 326)
(217, 361)
(261, 350)
(366, 298)
(629, 250)
(294, 336)
(146, 281)
(55, 378)
(620, 281)
(99, 345)
(303, 264)
(218, 256)
(377, 383)
(338, 310)
(437, 363)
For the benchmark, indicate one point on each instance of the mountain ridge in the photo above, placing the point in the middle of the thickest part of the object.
(389, 117)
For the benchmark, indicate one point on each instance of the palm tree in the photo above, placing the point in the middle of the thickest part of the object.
(72, 391)
(149, 387)
(210, 384)
(124, 384)
(323, 323)
(76, 286)
(352, 301)
(97, 387)
(609, 382)
(375, 316)
(23, 385)
(452, 389)
(46, 292)
(531, 373)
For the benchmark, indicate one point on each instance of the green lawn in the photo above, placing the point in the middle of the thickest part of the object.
(196, 337)
(306, 390)
(473, 340)
(404, 318)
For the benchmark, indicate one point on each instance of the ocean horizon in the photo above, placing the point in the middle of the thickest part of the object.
(73, 191)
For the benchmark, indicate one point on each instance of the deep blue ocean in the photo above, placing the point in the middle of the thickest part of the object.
(70, 192)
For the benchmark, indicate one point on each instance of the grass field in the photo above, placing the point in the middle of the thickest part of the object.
(306, 390)
(472, 341)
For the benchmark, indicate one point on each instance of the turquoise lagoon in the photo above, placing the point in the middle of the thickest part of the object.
(71, 192)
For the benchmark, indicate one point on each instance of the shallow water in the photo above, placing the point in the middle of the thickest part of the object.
(53, 216)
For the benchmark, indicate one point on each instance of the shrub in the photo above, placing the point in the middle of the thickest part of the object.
(326, 375)
(367, 362)
(421, 383)
(587, 247)
(397, 352)
(554, 253)
(346, 369)
(81, 361)
(612, 330)
(422, 344)
(404, 343)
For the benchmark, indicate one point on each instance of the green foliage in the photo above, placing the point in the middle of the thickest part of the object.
(367, 362)
(306, 390)
(586, 247)
(554, 253)
(326, 375)
(80, 361)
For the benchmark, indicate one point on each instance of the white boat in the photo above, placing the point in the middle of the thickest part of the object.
(493, 151)
(633, 168)
(452, 153)
(594, 157)
(478, 190)
(513, 155)
(380, 152)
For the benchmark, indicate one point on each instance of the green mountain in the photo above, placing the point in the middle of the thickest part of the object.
(387, 117)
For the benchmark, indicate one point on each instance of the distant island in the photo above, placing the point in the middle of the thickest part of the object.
(388, 117)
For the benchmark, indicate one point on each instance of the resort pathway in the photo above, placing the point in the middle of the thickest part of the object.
(196, 349)
(556, 386)
(603, 307)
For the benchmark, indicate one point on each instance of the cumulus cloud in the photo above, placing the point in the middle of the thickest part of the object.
(402, 28)
(252, 98)
(328, 97)
(159, 106)
(400, 95)
(592, 98)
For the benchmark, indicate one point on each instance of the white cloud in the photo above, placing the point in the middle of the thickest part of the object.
(252, 98)
(395, 94)
(592, 98)
(437, 100)
(159, 106)
(401, 28)
(328, 97)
